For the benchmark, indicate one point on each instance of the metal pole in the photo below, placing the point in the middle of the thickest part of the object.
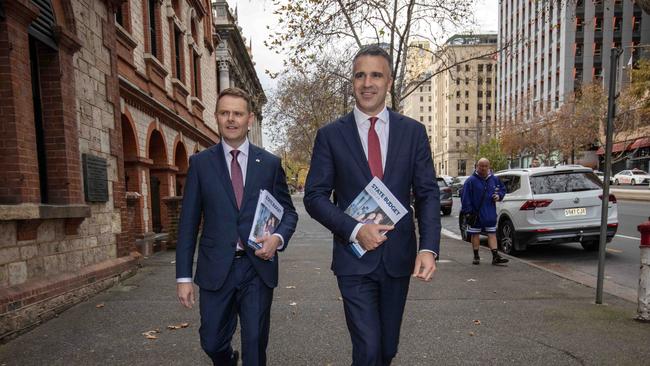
(609, 131)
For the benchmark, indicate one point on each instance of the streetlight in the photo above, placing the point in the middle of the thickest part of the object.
(609, 131)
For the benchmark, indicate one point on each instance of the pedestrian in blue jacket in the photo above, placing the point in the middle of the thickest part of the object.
(481, 191)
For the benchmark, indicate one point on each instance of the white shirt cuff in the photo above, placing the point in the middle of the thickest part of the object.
(281, 240)
(184, 280)
(353, 236)
(435, 255)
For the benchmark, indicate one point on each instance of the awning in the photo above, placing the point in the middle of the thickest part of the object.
(640, 143)
(618, 147)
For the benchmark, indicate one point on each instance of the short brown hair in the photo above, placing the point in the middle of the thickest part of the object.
(238, 93)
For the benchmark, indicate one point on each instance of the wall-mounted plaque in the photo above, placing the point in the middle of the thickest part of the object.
(95, 178)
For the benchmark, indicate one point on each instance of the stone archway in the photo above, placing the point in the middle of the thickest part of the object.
(181, 162)
(159, 180)
(134, 167)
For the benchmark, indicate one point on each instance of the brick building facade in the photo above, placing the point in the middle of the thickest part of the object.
(101, 104)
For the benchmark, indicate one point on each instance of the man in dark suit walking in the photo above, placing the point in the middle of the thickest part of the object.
(374, 141)
(222, 187)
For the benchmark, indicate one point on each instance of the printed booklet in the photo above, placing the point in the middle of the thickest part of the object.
(375, 205)
(267, 218)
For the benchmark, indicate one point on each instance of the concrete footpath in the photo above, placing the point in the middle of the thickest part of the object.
(468, 315)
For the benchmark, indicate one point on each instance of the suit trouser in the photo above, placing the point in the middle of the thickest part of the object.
(374, 305)
(244, 294)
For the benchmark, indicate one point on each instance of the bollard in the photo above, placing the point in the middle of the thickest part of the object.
(644, 273)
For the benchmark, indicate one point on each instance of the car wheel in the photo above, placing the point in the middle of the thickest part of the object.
(633, 182)
(506, 237)
(616, 182)
(446, 211)
(590, 246)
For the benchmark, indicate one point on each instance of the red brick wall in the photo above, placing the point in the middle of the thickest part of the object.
(18, 162)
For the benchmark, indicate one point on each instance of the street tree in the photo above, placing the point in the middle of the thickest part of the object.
(310, 29)
(304, 100)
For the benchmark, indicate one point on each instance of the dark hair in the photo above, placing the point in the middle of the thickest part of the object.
(238, 93)
(375, 50)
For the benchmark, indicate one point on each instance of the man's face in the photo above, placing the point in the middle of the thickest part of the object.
(233, 119)
(535, 163)
(482, 168)
(371, 81)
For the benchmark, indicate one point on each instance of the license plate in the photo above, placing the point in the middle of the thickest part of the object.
(575, 211)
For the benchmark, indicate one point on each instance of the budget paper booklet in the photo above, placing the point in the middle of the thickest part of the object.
(377, 205)
(267, 218)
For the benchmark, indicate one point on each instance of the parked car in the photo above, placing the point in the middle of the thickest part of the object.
(457, 184)
(551, 205)
(446, 200)
(601, 176)
(448, 179)
(633, 177)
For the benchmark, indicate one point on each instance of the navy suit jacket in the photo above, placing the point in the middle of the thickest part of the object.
(339, 165)
(209, 195)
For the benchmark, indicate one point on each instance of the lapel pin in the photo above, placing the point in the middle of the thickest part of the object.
(257, 160)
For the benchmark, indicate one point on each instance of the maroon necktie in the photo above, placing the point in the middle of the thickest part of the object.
(237, 177)
(374, 151)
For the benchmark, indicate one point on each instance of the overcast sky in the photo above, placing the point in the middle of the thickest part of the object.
(256, 15)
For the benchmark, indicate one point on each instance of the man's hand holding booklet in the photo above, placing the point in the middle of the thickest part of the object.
(375, 205)
(267, 218)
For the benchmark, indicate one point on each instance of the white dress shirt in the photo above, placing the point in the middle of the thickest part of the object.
(382, 128)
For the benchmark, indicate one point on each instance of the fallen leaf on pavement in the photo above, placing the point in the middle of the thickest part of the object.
(471, 334)
(151, 334)
(99, 306)
(290, 287)
(471, 280)
(173, 262)
(477, 322)
(340, 298)
(178, 326)
(293, 303)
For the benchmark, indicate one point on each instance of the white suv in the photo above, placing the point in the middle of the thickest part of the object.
(552, 205)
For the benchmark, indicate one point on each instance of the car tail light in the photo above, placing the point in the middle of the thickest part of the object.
(533, 204)
(612, 198)
(612, 225)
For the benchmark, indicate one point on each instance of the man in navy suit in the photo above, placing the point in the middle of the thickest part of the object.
(222, 187)
(374, 141)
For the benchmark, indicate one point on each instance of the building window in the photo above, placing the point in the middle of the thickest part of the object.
(178, 54)
(457, 81)
(467, 68)
(421, 119)
(153, 25)
(479, 94)
(466, 119)
(429, 108)
(466, 132)
(457, 93)
(457, 119)
(421, 99)
(488, 106)
(421, 108)
(480, 106)
(457, 106)
(489, 67)
(123, 15)
(457, 132)
(466, 107)
(466, 93)
(429, 118)
(480, 68)
(196, 63)
(488, 81)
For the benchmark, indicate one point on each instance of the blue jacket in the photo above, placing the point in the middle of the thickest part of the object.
(473, 189)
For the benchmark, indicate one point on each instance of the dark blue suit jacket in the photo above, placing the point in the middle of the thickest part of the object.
(339, 164)
(209, 195)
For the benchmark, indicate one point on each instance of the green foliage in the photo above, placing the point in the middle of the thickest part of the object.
(492, 151)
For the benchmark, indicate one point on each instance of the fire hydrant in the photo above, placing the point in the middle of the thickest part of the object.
(644, 273)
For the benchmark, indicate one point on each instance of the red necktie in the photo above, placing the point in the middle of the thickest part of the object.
(237, 177)
(374, 151)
